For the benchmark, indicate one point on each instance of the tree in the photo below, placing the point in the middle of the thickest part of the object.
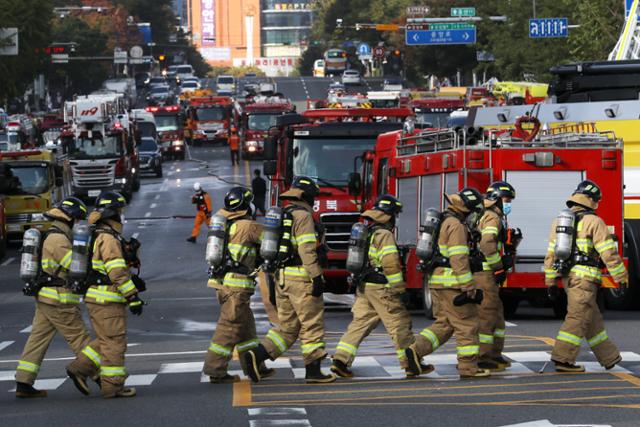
(600, 24)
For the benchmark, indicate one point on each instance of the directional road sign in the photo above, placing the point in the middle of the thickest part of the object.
(439, 37)
(463, 11)
(548, 28)
(364, 49)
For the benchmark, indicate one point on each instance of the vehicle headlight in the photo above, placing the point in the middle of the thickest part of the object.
(252, 143)
(133, 170)
(38, 217)
(178, 142)
(120, 180)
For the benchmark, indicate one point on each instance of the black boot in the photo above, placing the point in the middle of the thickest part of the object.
(414, 369)
(315, 376)
(253, 359)
(191, 239)
(80, 382)
(341, 369)
(24, 390)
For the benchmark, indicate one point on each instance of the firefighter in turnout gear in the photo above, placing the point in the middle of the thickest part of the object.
(581, 278)
(110, 292)
(57, 308)
(299, 291)
(378, 293)
(455, 298)
(492, 233)
(202, 200)
(236, 325)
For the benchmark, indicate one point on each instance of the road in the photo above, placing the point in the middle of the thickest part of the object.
(166, 348)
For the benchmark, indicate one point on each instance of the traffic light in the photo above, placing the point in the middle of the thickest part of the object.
(161, 58)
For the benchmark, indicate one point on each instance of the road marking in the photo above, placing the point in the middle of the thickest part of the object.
(242, 393)
(140, 380)
(180, 368)
(147, 215)
(135, 235)
(27, 330)
(628, 377)
(268, 423)
(50, 384)
(511, 325)
(8, 261)
(5, 344)
(153, 206)
(7, 375)
(547, 423)
(157, 197)
(276, 411)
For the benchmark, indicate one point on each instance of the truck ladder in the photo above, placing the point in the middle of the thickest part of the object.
(628, 46)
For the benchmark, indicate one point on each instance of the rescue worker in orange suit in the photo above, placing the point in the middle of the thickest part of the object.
(455, 299)
(581, 280)
(378, 296)
(234, 147)
(57, 308)
(299, 291)
(492, 233)
(110, 292)
(236, 325)
(202, 200)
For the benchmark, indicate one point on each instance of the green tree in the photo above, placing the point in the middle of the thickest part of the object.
(601, 22)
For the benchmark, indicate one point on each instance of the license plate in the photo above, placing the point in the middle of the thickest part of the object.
(94, 193)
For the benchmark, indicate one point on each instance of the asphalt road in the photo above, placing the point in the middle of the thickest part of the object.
(168, 342)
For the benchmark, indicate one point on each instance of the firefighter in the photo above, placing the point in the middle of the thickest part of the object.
(492, 238)
(379, 290)
(202, 200)
(236, 326)
(581, 280)
(57, 307)
(107, 302)
(234, 147)
(453, 290)
(299, 291)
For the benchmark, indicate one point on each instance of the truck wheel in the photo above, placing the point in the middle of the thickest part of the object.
(627, 299)
(510, 305)
(427, 300)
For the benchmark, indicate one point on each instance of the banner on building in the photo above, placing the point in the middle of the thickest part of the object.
(208, 19)
(216, 53)
(273, 66)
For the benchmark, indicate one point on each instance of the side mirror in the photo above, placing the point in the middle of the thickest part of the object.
(355, 184)
(270, 148)
(270, 167)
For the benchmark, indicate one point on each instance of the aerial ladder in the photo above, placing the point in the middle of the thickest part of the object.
(628, 46)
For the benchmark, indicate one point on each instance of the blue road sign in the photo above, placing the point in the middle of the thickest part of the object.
(548, 28)
(439, 37)
(364, 49)
(628, 4)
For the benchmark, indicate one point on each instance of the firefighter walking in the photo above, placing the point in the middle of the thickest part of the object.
(57, 308)
(455, 299)
(110, 292)
(380, 285)
(299, 290)
(236, 326)
(202, 200)
(493, 237)
(577, 263)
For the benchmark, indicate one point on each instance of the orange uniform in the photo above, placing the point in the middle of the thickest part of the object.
(203, 214)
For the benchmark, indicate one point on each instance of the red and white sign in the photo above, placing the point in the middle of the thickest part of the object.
(272, 66)
(378, 51)
(208, 18)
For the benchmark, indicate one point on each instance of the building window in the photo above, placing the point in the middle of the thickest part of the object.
(284, 36)
(271, 19)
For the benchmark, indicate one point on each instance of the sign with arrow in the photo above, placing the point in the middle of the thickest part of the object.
(440, 37)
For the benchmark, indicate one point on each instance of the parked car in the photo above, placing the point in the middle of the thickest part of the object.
(351, 77)
(188, 86)
(392, 85)
(318, 68)
(159, 94)
(150, 156)
(225, 85)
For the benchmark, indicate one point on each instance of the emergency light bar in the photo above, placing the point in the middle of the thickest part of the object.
(357, 112)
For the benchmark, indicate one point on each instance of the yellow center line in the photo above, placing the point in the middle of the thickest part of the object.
(628, 377)
(242, 393)
(247, 174)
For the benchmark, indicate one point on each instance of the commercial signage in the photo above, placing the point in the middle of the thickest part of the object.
(292, 6)
(208, 18)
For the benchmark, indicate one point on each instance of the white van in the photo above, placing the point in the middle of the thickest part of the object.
(318, 68)
(225, 85)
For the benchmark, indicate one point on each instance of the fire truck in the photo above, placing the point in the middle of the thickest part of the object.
(324, 144)
(169, 126)
(418, 167)
(257, 118)
(210, 118)
(434, 111)
(101, 146)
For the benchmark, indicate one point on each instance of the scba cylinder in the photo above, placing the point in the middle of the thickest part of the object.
(80, 252)
(356, 255)
(30, 259)
(214, 253)
(272, 231)
(565, 222)
(426, 246)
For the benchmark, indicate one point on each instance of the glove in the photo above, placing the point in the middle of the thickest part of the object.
(135, 305)
(500, 276)
(508, 261)
(140, 284)
(553, 292)
(30, 289)
(318, 286)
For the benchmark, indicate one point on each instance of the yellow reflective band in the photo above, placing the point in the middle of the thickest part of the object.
(66, 260)
(347, 348)
(550, 273)
(50, 293)
(401, 354)
(49, 263)
(247, 345)
(296, 272)
(386, 250)
(112, 371)
(444, 250)
(310, 348)
(287, 222)
(98, 266)
(101, 296)
(552, 247)
(458, 250)
(499, 333)
(465, 278)
(235, 282)
(606, 245)
(447, 278)
(432, 337)
(69, 298)
(23, 365)
(486, 339)
(277, 340)
(115, 263)
(220, 350)
(394, 278)
(92, 355)
(494, 259)
(305, 238)
(587, 272)
(490, 230)
(468, 350)
(569, 338)
(127, 287)
(598, 339)
(617, 270)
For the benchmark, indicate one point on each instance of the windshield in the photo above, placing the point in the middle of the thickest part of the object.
(165, 123)
(189, 85)
(86, 148)
(147, 144)
(184, 69)
(31, 179)
(384, 103)
(147, 129)
(225, 80)
(436, 120)
(160, 90)
(262, 121)
(335, 54)
(329, 159)
(210, 113)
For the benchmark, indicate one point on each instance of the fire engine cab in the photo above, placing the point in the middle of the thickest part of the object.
(419, 167)
(210, 118)
(257, 118)
(169, 122)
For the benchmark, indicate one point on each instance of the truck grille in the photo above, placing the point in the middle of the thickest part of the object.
(93, 176)
(337, 228)
(19, 218)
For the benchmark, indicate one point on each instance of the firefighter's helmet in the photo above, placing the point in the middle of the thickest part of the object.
(238, 199)
(310, 189)
(589, 189)
(109, 204)
(472, 199)
(388, 204)
(500, 189)
(74, 208)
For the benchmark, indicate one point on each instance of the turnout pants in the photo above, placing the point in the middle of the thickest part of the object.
(371, 306)
(201, 218)
(65, 319)
(583, 321)
(461, 321)
(301, 316)
(236, 328)
(491, 314)
(109, 323)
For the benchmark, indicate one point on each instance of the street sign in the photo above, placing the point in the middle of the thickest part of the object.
(430, 37)
(418, 10)
(136, 52)
(378, 51)
(548, 28)
(8, 41)
(463, 11)
(628, 4)
(482, 56)
(387, 27)
(364, 49)
(451, 26)
(119, 56)
(60, 58)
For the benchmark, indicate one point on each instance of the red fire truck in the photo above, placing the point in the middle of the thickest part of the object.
(257, 118)
(324, 144)
(419, 167)
(169, 125)
(434, 112)
(210, 118)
